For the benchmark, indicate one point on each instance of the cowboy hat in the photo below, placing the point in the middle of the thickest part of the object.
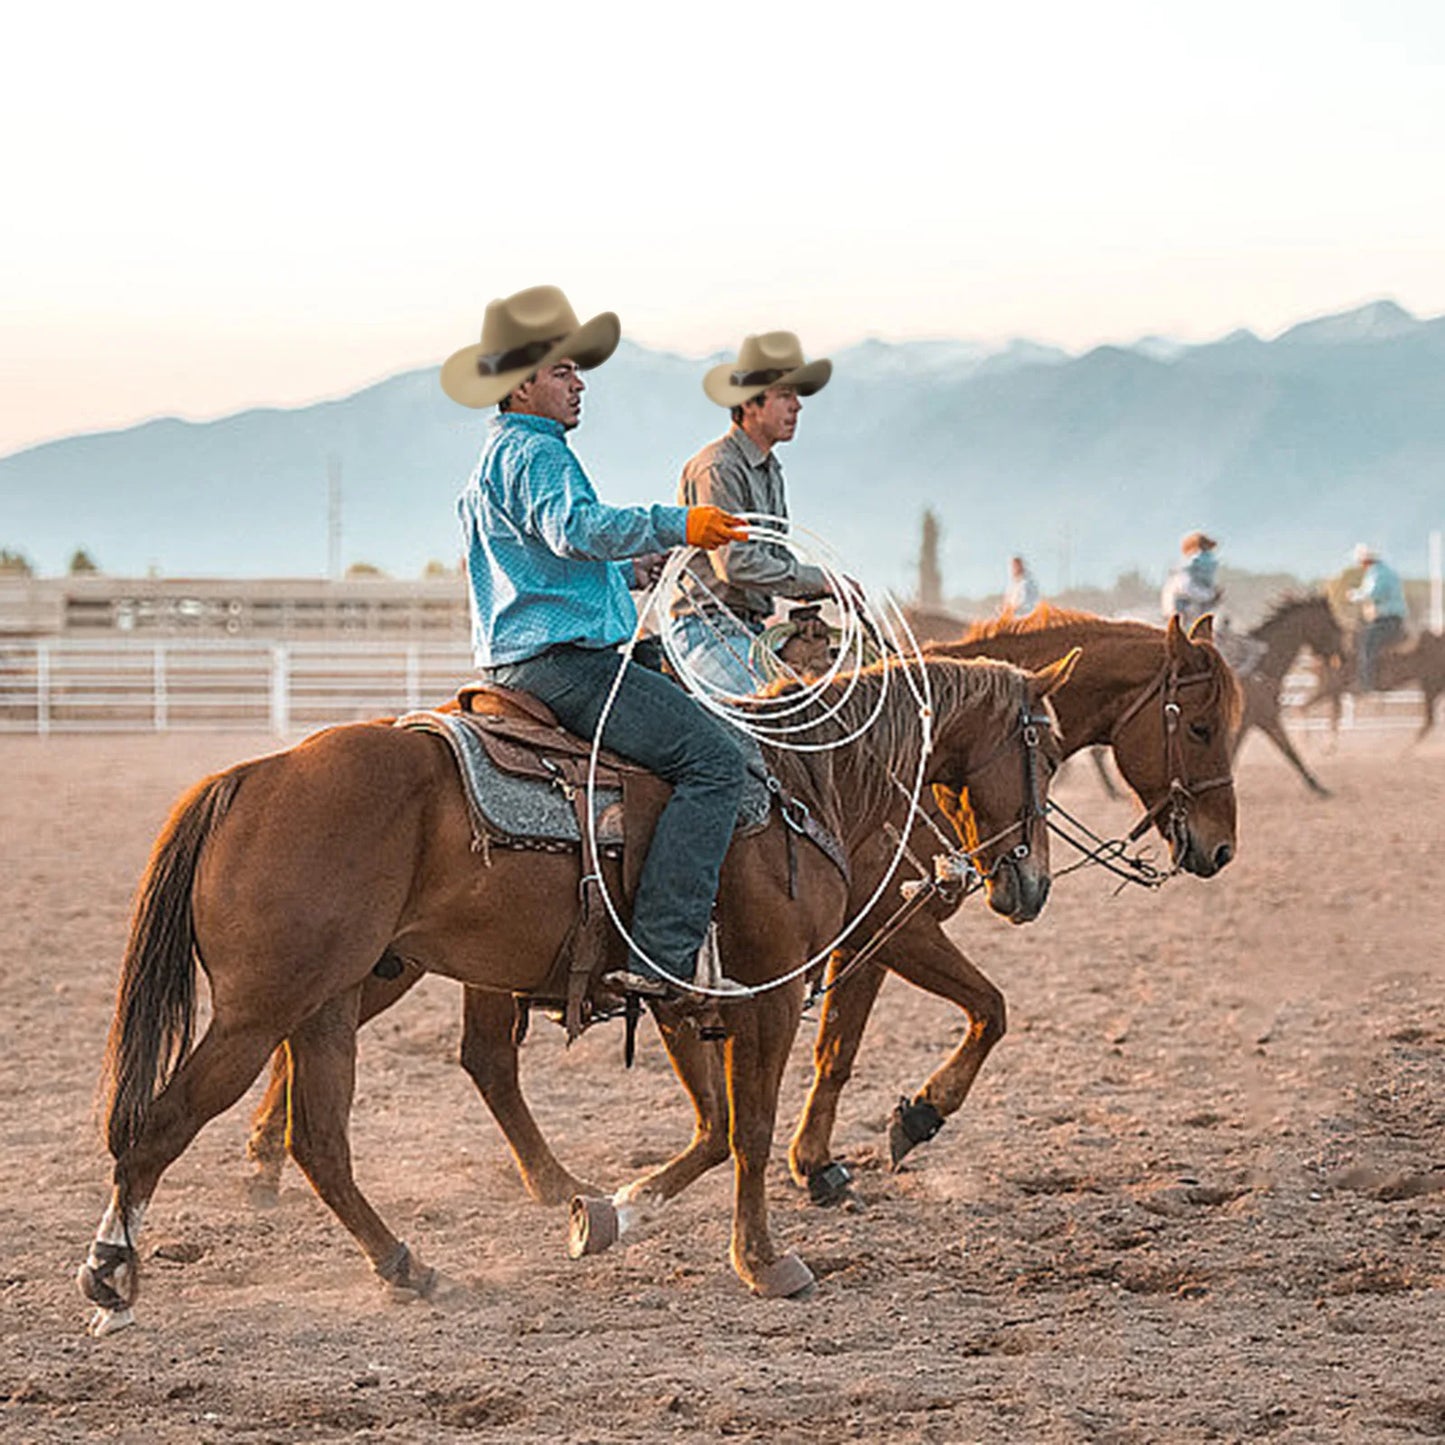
(1197, 542)
(1364, 552)
(775, 358)
(521, 335)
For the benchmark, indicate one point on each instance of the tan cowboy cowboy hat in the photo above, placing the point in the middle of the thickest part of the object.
(521, 334)
(1364, 553)
(774, 358)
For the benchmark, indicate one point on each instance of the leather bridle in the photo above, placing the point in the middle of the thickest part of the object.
(1183, 791)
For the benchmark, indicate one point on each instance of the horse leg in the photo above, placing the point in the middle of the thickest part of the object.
(266, 1147)
(323, 1079)
(598, 1223)
(216, 1073)
(1273, 729)
(924, 956)
(757, 1052)
(489, 1054)
(846, 1007)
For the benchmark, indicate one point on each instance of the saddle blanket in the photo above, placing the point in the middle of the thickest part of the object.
(537, 810)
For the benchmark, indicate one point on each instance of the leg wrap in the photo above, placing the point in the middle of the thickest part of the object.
(100, 1268)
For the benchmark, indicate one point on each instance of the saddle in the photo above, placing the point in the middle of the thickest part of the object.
(525, 780)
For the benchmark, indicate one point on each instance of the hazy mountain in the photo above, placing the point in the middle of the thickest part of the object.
(1290, 450)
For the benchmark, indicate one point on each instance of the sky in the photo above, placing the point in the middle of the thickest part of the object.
(208, 208)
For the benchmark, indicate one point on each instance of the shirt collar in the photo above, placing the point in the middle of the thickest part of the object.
(753, 455)
(525, 421)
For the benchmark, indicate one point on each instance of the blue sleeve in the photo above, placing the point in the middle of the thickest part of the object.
(563, 510)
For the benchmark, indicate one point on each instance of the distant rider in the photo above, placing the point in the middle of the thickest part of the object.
(1381, 597)
(1192, 589)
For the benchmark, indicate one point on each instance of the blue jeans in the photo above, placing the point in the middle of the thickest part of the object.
(717, 648)
(1379, 634)
(655, 723)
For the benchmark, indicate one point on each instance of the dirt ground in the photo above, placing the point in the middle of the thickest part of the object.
(1198, 1194)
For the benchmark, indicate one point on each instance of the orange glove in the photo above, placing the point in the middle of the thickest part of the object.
(709, 527)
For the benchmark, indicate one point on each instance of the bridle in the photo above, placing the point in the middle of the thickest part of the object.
(1168, 684)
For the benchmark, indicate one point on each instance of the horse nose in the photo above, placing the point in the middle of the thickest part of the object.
(1222, 855)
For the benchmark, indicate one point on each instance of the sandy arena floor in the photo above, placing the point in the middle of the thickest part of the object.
(1198, 1194)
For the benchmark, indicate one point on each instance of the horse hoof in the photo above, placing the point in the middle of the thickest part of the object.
(785, 1278)
(406, 1278)
(592, 1227)
(106, 1322)
(829, 1185)
(914, 1122)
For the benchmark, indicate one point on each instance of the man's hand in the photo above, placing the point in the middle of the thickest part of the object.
(646, 569)
(710, 527)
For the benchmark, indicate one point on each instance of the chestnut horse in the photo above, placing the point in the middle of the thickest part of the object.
(1117, 695)
(289, 877)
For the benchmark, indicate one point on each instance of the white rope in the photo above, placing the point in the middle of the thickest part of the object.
(775, 721)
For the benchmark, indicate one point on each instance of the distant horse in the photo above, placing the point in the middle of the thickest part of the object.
(1294, 623)
(1119, 694)
(1421, 663)
(289, 877)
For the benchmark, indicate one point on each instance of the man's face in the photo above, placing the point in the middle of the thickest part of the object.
(555, 392)
(776, 414)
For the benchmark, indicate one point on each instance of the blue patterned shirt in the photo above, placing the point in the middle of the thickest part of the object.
(544, 556)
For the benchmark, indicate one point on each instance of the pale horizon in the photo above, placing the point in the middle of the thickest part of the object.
(209, 214)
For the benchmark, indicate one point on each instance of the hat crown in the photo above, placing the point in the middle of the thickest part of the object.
(540, 313)
(770, 351)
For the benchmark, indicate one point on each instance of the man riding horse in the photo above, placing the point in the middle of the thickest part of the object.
(550, 605)
(728, 596)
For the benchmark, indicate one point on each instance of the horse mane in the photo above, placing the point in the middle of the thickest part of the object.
(1044, 618)
(1288, 602)
(867, 766)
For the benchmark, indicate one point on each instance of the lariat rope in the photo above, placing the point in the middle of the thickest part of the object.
(776, 721)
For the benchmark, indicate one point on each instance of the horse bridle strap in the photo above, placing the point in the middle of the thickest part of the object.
(1182, 791)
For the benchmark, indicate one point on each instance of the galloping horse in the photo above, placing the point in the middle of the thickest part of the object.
(1421, 663)
(1119, 694)
(289, 877)
(1293, 624)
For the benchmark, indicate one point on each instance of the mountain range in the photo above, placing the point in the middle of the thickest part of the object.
(1288, 450)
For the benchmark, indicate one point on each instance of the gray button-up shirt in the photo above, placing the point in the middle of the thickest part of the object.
(733, 474)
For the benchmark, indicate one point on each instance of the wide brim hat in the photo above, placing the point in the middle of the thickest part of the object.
(1197, 542)
(1364, 552)
(774, 358)
(521, 335)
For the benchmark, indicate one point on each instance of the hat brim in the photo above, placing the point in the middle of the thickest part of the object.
(806, 380)
(590, 345)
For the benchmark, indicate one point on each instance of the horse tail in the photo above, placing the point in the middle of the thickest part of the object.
(155, 1006)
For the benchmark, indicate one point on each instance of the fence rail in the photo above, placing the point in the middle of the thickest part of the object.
(288, 688)
(285, 688)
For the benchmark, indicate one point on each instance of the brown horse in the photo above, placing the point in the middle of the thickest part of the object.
(1117, 695)
(1293, 624)
(1421, 663)
(287, 878)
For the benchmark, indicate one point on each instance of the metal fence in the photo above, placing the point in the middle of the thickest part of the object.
(65, 685)
(120, 685)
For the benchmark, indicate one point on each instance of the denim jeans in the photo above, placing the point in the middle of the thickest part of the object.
(655, 723)
(1379, 634)
(717, 648)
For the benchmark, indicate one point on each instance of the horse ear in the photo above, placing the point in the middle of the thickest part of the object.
(1203, 629)
(1178, 645)
(1050, 679)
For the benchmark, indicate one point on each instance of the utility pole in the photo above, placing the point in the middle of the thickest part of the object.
(333, 517)
(1437, 588)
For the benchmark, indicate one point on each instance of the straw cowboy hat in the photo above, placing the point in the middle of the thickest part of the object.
(1197, 542)
(521, 335)
(774, 358)
(1364, 552)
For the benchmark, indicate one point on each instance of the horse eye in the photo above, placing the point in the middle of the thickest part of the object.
(1200, 732)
